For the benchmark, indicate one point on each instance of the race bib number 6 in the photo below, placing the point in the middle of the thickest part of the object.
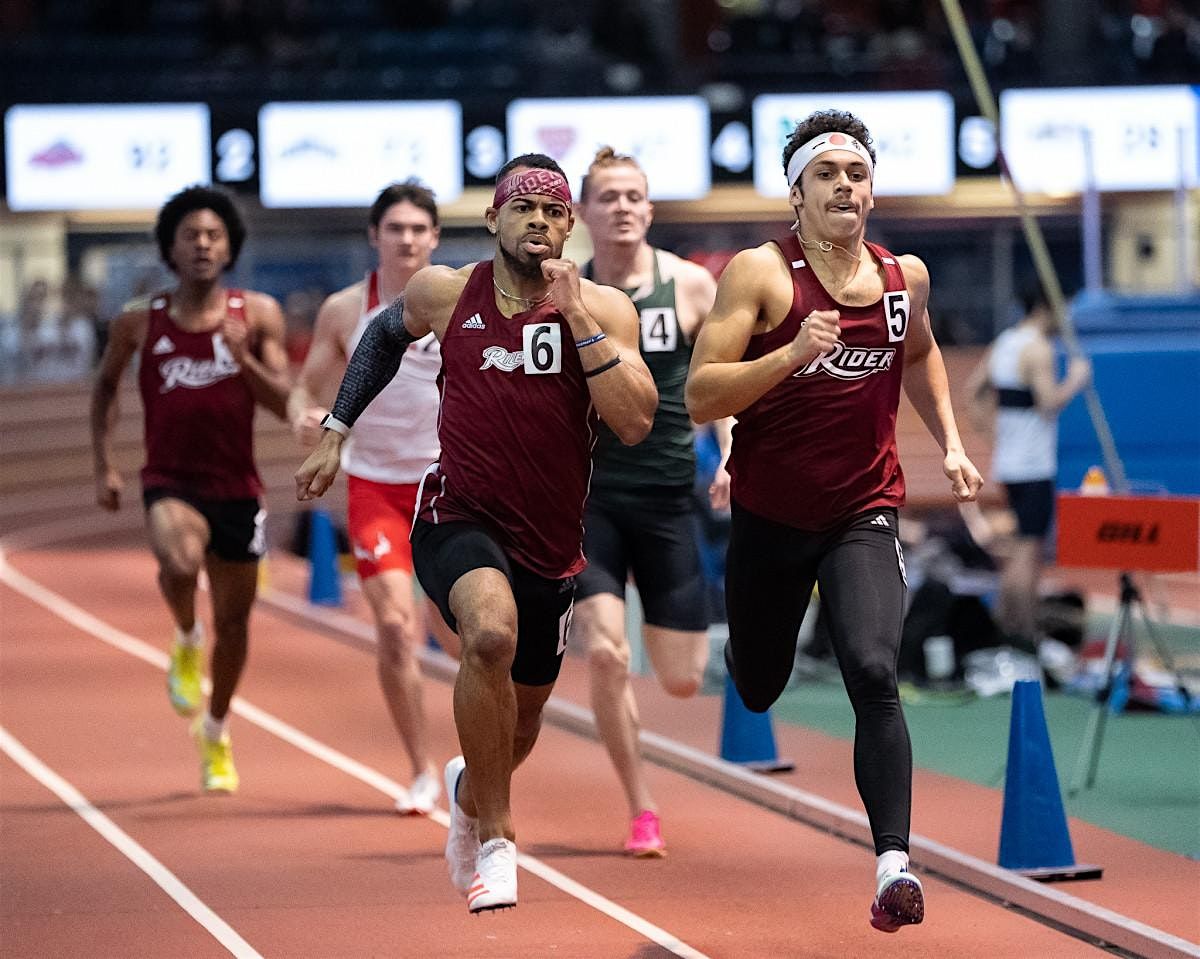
(542, 347)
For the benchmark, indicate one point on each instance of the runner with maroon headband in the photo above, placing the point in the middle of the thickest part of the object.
(808, 344)
(531, 354)
(209, 355)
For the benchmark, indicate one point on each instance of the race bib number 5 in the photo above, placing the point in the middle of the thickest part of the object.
(895, 308)
(542, 347)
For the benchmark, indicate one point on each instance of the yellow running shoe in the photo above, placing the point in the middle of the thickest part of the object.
(217, 772)
(184, 677)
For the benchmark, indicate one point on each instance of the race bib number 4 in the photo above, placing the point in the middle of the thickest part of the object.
(660, 330)
(542, 347)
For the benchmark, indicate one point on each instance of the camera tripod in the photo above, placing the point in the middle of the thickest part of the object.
(1121, 629)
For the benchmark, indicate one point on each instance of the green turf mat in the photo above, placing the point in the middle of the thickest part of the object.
(1147, 787)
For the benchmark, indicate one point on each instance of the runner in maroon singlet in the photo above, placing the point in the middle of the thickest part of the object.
(808, 344)
(531, 354)
(209, 355)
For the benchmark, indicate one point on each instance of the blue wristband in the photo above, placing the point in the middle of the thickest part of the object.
(588, 341)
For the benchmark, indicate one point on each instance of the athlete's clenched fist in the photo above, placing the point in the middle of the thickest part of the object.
(818, 334)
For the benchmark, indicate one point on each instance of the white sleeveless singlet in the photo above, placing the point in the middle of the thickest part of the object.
(395, 439)
(1026, 439)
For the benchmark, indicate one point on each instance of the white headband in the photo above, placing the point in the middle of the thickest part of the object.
(824, 143)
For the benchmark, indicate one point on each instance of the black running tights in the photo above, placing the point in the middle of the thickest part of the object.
(859, 568)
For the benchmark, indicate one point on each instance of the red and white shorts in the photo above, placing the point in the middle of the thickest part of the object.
(379, 520)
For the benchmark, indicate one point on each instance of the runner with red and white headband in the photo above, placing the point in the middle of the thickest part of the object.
(810, 340)
(531, 355)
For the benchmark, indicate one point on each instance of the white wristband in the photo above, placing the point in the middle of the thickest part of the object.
(331, 422)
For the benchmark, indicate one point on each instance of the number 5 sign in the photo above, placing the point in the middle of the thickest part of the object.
(895, 308)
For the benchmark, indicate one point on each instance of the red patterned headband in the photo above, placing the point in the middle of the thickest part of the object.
(539, 181)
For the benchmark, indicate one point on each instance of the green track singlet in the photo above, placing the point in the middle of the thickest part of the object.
(666, 459)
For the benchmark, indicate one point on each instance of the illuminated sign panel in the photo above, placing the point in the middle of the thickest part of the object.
(667, 135)
(912, 134)
(104, 157)
(1141, 138)
(343, 154)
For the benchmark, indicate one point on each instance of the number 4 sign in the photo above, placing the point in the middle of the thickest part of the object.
(660, 329)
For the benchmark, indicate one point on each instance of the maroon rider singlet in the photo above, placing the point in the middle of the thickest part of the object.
(199, 410)
(820, 447)
(516, 429)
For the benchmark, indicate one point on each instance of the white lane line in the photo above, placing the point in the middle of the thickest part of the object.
(166, 880)
(85, 621)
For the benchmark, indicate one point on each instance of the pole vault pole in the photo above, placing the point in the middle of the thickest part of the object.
(1034, 238)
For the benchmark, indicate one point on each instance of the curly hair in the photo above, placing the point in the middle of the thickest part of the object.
(606, 158)
(827, 121)
(190, 200)
(410, 191)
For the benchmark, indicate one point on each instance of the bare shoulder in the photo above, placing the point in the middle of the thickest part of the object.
(131, 323)
(604, 299)
(263, 310)
(341, 310)
(691, 276)
(437, 288)
(758, 267)
(765, 256)
(673, 265)
(916, 274)
(347, 298)
(260, 304)
(1038, 348)
(139, 305)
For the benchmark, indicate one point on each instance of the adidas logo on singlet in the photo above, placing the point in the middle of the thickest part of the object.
(474, 323)
(164, 345)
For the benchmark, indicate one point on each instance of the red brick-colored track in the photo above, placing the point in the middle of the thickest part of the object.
(308, 860)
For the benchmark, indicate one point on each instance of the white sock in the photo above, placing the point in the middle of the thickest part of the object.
(889, 863)
(214, 729)
(193, 638)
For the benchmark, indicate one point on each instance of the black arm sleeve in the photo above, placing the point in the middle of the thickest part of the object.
(375, 361)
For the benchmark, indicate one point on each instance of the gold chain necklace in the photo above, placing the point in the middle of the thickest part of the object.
(529, 300)
(826, 246)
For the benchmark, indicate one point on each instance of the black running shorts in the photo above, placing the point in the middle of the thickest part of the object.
(654, 537)
(1033, 502)
(444, 552)
(236, 527)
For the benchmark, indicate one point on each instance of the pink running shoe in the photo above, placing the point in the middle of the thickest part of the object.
(899, 901)
(645, 837)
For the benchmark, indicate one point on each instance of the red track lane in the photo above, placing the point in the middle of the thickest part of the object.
(309, 861)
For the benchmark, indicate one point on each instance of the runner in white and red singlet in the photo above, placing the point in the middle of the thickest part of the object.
(531, 355)
(810, 340)
(209, 355)
(394, 441)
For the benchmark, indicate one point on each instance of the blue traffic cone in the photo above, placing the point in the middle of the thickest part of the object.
(747, 737)
(1034, 839)
(324, 580)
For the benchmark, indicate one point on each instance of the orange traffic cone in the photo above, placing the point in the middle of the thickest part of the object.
(1095, 483)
